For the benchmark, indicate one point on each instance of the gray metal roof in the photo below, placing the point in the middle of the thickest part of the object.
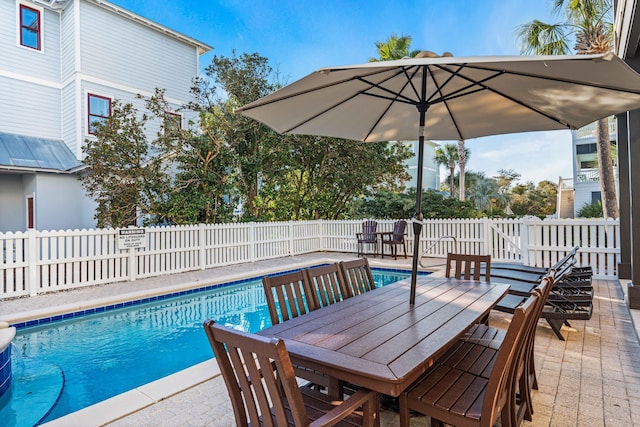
(36, 153)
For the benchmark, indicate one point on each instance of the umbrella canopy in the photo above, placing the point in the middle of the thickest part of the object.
(450, 98)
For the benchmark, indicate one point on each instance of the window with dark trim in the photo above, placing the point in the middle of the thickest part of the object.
(30, 35)
(172, 123)
(99, 110)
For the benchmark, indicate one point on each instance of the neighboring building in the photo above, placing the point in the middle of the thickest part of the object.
(586, 175)
(63, 63)
(430, 170)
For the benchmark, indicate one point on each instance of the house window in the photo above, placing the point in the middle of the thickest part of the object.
(596, 197)
(586, 148)
(172, 123)
(99, 110)
(30, 28)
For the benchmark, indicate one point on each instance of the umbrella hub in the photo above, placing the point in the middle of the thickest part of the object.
(423, 106)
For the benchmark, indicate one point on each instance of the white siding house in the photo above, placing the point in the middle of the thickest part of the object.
(585, 185)
(57, 56)
(430, 170)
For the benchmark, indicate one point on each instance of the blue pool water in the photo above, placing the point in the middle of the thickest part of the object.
(66, 365)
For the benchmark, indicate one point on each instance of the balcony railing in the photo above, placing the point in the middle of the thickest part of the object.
(589, 131)
(592, 175)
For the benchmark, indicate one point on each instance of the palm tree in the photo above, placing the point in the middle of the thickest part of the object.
(463, 156)
(589, 21)
(395, 47)
(448, 156)
(486, 193)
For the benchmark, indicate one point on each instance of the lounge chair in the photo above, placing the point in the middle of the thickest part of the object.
(263, 389)
(540, 270)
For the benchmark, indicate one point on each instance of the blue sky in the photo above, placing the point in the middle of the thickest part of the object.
(299, 36)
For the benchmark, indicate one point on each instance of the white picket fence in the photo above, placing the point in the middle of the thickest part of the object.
(35, 262)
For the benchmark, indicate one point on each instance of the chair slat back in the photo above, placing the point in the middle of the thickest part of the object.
(288, 296)
(399, 228)
(327, 284)
(258, 374)
(369, 229)
(357, 276)
(468, 267)
(497, 393)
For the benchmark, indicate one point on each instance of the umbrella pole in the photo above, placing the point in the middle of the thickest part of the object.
(417, 219)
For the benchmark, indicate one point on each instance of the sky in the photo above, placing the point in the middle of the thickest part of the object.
(300, 36)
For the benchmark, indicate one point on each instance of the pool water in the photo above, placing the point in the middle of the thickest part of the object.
(64, 366)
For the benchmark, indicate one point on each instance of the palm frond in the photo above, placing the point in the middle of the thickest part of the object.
(539, 38)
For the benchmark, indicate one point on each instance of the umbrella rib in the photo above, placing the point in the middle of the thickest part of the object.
(444, 99)
(388, 106)
(451, 76)
(258, 104)
(362, 92)
(510, 98)
(331, 107)
(395, 96)
(555, 79)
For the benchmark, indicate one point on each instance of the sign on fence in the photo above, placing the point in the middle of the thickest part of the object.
(130, 238)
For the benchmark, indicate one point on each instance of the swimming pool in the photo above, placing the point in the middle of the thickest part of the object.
(66, 365)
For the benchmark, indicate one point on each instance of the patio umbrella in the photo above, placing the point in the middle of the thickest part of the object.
(450, 98)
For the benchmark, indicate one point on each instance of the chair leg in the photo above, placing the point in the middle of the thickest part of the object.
(404, 412)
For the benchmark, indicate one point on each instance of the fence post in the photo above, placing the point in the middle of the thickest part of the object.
(32, 262)
(202, 246)
(133, 264)
(321, 226)
(252, 229)
(488, 244)
(291, 238)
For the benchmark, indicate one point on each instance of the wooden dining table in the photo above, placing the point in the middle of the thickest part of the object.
(378, 340)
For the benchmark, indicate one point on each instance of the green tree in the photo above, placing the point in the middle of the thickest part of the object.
(393, 205)
(589, 22)
(322, 176)
(203, 182)
(593, 210)
(242, 79)
(395, 47)
(448, 156)
(128, 177)
(529, 199)
(485, 194)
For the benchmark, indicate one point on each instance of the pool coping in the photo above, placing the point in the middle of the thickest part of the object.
(129, 402)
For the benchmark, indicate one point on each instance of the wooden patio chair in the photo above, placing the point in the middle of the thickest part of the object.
(368, 236)
(263, 389)
(357, 276)
(469, 267)
(327, 284)
(476, 391)
(288, 296)
(395, 239)
(524, 379)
